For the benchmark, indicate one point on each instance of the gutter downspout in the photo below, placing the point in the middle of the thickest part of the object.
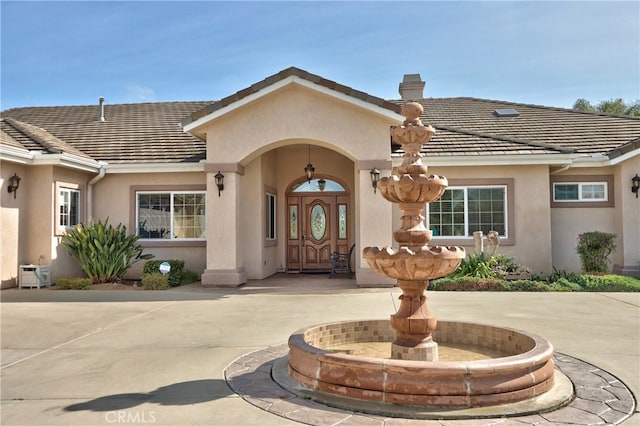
(562, 169)
(101, 173)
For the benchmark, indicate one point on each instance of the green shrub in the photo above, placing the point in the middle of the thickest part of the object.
(606, 283)
(594, 249)
(558, 274)
(105, 253)
(465, 283)
(155, 281)
(174, 275)
(528, 285)
(189, 277)
(74, 283)
(477, 265)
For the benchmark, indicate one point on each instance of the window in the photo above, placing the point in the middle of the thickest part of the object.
(68, 207)
(463, 210)
(318, 185)
(580, 191)
(171, 215)
(270, 225)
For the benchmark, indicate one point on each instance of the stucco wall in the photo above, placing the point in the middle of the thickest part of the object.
(270, 138)
(296, 112)
(627, 257)
(12, 223)
(113, 199)
(569, 222)
(29, 234)
(531, 226)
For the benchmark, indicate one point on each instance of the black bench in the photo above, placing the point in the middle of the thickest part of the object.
(341, 263)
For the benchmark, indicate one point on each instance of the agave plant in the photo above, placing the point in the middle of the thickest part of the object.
(104, 252)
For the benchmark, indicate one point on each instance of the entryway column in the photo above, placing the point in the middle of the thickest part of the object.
(225, 266)
(374, 222)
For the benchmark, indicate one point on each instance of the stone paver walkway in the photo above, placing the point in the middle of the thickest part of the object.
(600, 398)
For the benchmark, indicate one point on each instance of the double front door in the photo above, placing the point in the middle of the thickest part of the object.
(318, 225)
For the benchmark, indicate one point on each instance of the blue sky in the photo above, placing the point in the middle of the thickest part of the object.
(548, 53)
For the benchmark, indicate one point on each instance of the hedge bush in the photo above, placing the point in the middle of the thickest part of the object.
(74, 283)
(594, 249)
(155, 281)
(568, 282)
(174, 275)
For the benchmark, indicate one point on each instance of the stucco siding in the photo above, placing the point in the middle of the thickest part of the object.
(568, 223)
(114, 199)
(13, 224)
(295, 112)
(530, 224)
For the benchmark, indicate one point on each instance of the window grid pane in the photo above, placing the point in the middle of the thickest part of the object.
(446, 215)
(171, 215)
(461, 211)
(69, 207)
(565, 192)
(270, 223)
(592, 191)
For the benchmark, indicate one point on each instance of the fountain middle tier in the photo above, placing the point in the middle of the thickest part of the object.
(412, 188)
(414, 263)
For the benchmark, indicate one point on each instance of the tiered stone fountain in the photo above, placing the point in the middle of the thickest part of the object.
(415, 263)
(513, 379)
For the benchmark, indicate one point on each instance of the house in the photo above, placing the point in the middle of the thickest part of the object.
(223, 186)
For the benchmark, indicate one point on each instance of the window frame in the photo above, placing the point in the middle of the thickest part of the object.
(509, 214)
(581, 180)
(270, 216)
(74, 188)
(174, 242)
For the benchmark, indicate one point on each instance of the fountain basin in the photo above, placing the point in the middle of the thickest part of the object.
(419, 263)
(525, 370)
(412, 189)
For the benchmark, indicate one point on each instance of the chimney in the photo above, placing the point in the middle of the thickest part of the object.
(411, 87)
(101, 100)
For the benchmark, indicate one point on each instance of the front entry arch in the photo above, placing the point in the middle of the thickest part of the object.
(317, 224)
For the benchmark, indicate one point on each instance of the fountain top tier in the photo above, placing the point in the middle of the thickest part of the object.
(412, 189)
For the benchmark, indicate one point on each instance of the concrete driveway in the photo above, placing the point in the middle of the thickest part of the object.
(136, 357)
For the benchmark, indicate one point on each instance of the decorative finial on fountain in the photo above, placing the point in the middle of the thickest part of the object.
(412, 112)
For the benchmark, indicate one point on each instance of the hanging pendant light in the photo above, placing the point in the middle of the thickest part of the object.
(321, 184)
(309, 170)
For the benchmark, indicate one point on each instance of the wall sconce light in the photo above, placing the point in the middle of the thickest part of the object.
(14, 183)
(321, 184)
(375, 177)
(219, 182)
(635, 184)
(309, 169)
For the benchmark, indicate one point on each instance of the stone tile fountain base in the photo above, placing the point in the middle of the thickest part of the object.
(522, 370)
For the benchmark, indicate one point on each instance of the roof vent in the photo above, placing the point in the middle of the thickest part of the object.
(101, 117)
(508, 112)
(412, 87)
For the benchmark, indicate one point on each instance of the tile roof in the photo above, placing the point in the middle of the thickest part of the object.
(282, 75)
(466, 127)
(132, 133)
(537, 129)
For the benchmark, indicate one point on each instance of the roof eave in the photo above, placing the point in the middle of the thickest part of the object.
(292, 79)
(121, 168)
(37, 158)
(497, 160)
(67, 160)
